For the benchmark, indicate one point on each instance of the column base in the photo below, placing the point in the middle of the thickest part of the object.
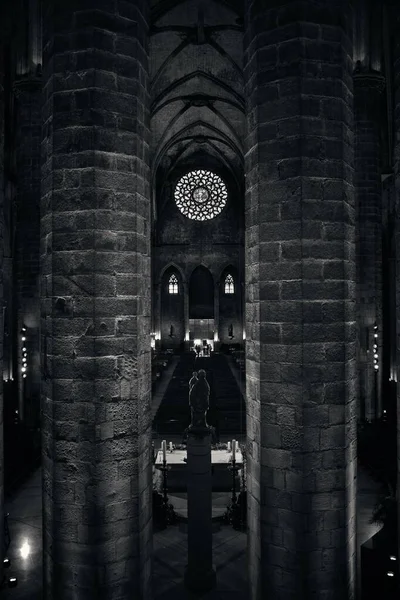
(200, 580)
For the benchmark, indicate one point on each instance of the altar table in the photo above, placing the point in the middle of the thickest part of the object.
(220, 461)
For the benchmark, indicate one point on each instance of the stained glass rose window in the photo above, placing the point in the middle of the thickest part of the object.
(201, 195)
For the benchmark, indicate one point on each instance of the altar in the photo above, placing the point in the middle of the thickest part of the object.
(220, 461)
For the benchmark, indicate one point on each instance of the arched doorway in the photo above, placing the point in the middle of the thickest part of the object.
(230, 305)
(201, 308)
(172, 309)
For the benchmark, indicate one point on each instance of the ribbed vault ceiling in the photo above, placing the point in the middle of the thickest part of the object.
(197, 95)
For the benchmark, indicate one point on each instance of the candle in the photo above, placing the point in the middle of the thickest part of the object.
(164, 450)
(229, 446)
(170, 446)
(233, 447)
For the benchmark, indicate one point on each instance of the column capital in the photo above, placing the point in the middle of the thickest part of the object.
(370, 80)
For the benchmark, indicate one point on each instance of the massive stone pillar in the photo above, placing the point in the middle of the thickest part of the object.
(395, 24)
(186, 312)
(216, 311)
(28, 98)
(2, 106)
(300, 300)
(368, 86)
(157, 310)
(95, 255)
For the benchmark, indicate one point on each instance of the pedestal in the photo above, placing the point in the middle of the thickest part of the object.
(200, 574)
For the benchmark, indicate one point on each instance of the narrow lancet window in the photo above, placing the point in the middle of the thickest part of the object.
(173, 285)
(229, 285)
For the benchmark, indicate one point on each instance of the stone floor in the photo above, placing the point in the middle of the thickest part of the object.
(170, 550)
(170, 556)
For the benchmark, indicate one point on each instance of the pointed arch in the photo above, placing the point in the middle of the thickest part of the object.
(218, 136)
(201, 293)
(173, 267)
(198, 73)
(170, 124)
(165, 6)
(189, 97)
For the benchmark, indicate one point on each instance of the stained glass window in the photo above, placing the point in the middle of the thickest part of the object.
(229, 285)
(201, 195)
(173, 284)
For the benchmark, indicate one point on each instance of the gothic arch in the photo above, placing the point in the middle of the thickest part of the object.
(174, 266)
(201, 293)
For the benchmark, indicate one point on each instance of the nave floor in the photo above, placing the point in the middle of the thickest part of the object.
(25, 523)
(170, 554)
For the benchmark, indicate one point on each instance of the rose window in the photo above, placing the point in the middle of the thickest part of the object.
(201, 195)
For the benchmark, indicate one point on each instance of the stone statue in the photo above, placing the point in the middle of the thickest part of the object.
(193, 380)
(199, 394)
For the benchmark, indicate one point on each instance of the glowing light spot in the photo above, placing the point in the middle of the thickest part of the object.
(25, 550)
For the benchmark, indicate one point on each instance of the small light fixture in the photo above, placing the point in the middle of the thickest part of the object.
(6, 563)
(390, 574)
(23, 338)
(392, 557)
(376, 367)
(25, 550)
(12, 582)
(23, 369)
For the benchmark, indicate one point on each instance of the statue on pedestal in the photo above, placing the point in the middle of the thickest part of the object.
(199, 400)
(193, 380)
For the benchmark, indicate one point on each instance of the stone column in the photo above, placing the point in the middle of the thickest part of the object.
(300, 301)
(28, 99)
(368, 86)
(394, 18)
(95, 255)
(216, 309)
(186, 312)
(199, 574)
(157, 309)
(2, 107)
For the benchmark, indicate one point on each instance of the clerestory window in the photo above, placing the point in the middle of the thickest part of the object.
(173, 287)
(229, 284)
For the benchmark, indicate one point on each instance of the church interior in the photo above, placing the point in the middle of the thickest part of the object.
(192, 186)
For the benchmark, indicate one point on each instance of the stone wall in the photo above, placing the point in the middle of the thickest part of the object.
(187, 244)
(368, 86)
(28, 117)
(172, 312)
(231, 309)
